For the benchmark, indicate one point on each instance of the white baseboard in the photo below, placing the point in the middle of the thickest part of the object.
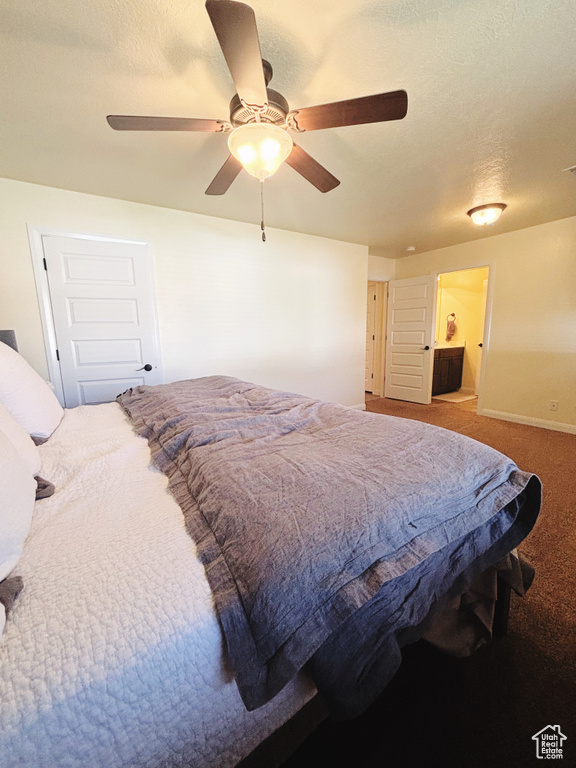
(530, 421)
(358, 407)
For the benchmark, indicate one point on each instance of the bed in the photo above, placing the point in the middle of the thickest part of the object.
(157, 633)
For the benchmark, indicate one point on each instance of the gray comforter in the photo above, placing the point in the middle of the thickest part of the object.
(327, 534)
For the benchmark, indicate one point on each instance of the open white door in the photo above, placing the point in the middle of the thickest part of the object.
(104, 316)
(410, 341)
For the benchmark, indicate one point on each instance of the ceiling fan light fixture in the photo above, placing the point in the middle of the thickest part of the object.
(260, 147)
(486, 214)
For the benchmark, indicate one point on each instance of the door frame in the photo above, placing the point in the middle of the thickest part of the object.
(487, 321)
(35, 235)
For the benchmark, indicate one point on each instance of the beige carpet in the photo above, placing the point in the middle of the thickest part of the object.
(482, 712)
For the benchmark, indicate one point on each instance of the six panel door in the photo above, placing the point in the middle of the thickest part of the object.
(102, 297)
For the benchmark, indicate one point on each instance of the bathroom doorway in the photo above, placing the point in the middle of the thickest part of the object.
(460, 326)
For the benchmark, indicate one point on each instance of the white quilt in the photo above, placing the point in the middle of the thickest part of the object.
(112, 655)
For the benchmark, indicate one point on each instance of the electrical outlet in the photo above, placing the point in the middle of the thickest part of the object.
(553, 405)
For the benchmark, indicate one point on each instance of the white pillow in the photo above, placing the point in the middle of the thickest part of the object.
(26, 395)
(17, 496)
(20, 439)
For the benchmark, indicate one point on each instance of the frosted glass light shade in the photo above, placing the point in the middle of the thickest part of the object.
(486, 214)
(260, 147)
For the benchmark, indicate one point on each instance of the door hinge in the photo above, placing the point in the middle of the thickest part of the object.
(372, 375)
(373, 337)
(57, 355)
(45, 265)
(374, 297)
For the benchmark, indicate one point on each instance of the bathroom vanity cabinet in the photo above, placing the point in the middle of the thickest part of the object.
(447, 371)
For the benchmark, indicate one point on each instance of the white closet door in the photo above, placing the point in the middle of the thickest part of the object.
(370, 338)
(102, 297)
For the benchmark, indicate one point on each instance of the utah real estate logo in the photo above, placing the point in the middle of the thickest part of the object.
(549, 743)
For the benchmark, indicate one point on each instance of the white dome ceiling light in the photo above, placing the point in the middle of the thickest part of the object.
(486, 214)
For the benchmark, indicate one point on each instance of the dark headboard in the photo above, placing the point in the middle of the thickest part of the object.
(9, 337)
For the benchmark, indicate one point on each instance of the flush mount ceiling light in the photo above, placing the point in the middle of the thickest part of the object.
(260, 147)
(486, 214)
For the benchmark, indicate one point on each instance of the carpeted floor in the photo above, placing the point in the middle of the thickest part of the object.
(482, 712)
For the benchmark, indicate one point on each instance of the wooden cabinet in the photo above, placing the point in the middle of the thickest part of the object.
(447, 373)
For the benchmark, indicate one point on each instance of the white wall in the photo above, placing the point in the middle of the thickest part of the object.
(380, 268)
(531, 355)
(288, 313)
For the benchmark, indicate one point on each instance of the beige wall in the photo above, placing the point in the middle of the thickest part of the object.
(464, 294)
(288, 313)
(530, 358)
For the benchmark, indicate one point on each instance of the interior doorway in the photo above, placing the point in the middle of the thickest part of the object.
(418, 351)
(459, 337)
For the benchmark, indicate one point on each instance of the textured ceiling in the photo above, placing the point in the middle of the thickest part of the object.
(491, 110)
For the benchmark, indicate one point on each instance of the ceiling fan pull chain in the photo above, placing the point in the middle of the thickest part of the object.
(262, 210)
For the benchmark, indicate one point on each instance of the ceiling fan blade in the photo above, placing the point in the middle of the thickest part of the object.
(237, 33)
(366, 109)
(225, 176)
(311, 169)
(133, 123)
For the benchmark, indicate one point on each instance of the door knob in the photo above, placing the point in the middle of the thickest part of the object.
(480, 345)
(426, 347)
(146, 367)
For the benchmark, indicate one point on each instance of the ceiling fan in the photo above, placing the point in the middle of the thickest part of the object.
(259, 116)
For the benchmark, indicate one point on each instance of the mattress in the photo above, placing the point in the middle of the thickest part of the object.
(113, 655)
